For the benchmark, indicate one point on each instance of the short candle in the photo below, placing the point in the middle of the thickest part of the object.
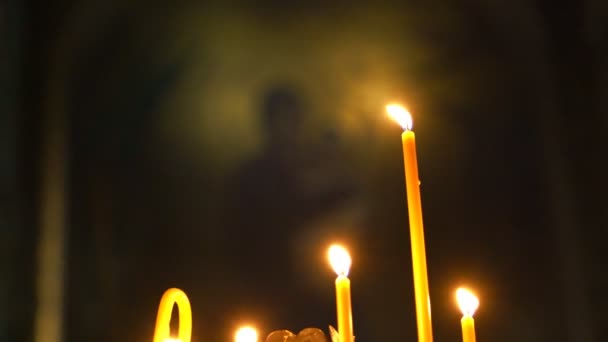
(340, 261)
(468, 304)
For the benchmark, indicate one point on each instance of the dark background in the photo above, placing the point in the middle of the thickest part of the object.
(221, 149)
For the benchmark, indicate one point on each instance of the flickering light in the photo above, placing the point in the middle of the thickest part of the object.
(467, 301)
(246, 334)
(172, 340)
(339, 259)
(401, 115)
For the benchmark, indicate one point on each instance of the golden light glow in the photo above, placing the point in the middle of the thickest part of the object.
(246, 334)
(172, 340)
(467, 301)
(401, 115)
(339, 259)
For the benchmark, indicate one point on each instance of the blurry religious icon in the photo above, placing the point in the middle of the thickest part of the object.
(305, 335)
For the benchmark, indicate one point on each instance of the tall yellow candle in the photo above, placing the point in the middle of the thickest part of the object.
(421, 284)
(468, 303)
(340, 261)
(163, 319)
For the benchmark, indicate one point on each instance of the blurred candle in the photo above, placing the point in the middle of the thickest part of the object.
(468, 303)
(246, 334)
(421, 285)
(162, 331)
(340, 261)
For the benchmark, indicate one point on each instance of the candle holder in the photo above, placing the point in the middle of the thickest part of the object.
(305, 335)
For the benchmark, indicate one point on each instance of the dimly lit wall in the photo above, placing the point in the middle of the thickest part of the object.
(168, 151)
(16, 235)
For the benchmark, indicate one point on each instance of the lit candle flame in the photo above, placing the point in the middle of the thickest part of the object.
(172, 340)
(339, 259)
(401, 115)
(467, 301)
(246, 334)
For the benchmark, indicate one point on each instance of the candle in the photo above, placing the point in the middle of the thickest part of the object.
(246, 334)
(468, 303)
(421, 286)
(340, 261)
(163, 319)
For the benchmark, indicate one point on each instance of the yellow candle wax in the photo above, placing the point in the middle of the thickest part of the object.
(412, 181)
(343, 306)
(468, 329)
(341, 261)
(163, 319)
(468, 304)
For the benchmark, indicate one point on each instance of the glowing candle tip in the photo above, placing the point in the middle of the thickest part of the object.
(339, 259)
(401, 115)
(467, 301)
(246, 334)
